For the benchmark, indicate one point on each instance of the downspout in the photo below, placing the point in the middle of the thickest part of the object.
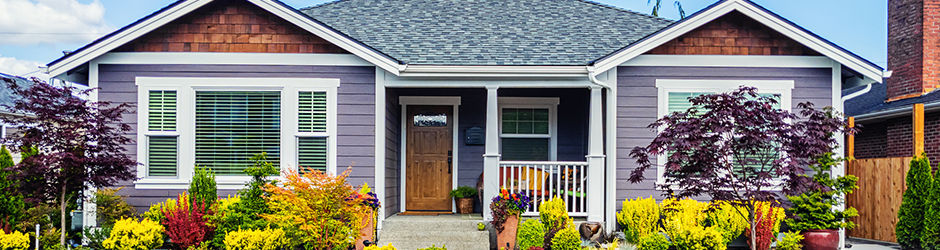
(857, 94)
(610, 171)
(593, 78)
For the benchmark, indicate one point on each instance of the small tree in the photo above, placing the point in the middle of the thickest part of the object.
(203, 188)
(12, 205)
(911, 214)
(78, 143)
(930, 239)
(733, 147)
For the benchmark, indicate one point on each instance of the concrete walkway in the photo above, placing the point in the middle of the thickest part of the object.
(456, 231)
(863, 244)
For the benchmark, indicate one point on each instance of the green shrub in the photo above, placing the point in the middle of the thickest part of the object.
(12, 206)
(266, 239)
(155, 213)
(930, 239)
(202, 188)
(463, 192)
(96, 236)
(128, 234)
(910, 225)
(434, 247)
(638, 218)
(790, 241)
(245, 209)
(653, 241)
(111, 207)
(531, 233)
(566, 239)
(699, 238)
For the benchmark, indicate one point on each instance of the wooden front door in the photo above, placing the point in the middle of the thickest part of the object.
(429, 167)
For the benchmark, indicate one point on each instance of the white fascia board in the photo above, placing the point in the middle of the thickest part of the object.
(746, 61)
(329, 35)
(169, 15)
(125, 36)
(231, 58)
(546, 70)
(754, 12)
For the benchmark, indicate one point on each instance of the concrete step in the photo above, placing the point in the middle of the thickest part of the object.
(456, 232)
(449, 236)
(450, 246)
(431, 225)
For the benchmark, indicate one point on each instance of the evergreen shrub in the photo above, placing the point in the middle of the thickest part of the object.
(910, 224)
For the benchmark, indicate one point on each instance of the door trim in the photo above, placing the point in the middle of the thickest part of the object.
(404, 101)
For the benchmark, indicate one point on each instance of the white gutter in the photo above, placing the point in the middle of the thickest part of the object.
(857, 94)
(895, 112)
(594, 80)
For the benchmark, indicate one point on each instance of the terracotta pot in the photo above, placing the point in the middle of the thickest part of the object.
(367, 231)
(508, 235)
(464, 205)
(823, 239)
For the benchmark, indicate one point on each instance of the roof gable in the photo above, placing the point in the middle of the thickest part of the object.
(755, 12)
(231, 26)
(733, 34)
(488, 32)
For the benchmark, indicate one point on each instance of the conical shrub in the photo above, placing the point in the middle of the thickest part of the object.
(910, 225)
(930, 238)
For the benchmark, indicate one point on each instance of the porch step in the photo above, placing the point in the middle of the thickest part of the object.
(454, 231)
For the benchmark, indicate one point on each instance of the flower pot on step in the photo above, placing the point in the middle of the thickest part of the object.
(508, 235)
(821, 239)
(464, 205)
(367, 231)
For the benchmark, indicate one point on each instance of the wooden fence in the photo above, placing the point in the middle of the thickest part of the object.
(878, 197)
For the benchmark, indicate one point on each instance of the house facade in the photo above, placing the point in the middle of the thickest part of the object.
(420, 97)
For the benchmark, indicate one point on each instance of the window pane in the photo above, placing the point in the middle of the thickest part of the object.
(231, 127)
(311, 153)
(525, 149)
(775, 97)
(525, 121)
(162, 110)
(312, 112)
(679, 101)
(162, 155)
(430, 120)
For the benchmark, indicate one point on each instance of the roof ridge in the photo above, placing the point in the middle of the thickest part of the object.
(321, 5)
(619, 9)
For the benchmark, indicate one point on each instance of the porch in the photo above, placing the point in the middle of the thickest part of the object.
(545, 142)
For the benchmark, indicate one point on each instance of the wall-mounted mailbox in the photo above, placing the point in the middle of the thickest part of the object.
(475, 136)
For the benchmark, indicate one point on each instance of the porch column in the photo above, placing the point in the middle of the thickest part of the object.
(595, 157)
(491, 155)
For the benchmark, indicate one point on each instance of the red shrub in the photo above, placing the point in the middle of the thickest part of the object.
(185, 224)
(535, 248)
(766, 217)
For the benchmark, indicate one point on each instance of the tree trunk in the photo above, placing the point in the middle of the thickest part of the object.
(753, 235)
(63, 205)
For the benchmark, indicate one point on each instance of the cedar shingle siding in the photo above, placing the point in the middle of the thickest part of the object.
(231, 26)
(733, 34)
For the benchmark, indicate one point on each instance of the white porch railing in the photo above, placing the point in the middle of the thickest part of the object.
(542, 180)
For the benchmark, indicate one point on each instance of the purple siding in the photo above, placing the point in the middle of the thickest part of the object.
(637, 108)
(392, 153)
(356, 110)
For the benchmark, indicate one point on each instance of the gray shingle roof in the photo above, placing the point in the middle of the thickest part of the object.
(6, 94)
(488, 32)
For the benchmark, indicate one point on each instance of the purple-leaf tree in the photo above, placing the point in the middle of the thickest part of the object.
(737, 147)
(77, 142)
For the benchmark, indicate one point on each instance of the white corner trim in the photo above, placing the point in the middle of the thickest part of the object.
(184, 58)
(731, 61)
(380, 142)
(164, 17)
(187, 87)
(758, 14)
(404, 101)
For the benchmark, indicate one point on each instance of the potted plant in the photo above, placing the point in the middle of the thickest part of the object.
(506, 208)
(812, 212)
(463, 196)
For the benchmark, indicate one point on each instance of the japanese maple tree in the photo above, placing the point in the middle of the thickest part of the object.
(78, 142)
(738, 148)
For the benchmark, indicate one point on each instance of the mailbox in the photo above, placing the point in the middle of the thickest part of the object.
(475, 136)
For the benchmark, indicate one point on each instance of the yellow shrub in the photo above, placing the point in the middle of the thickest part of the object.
(128, 234)
(267, 239)
(387, 247)
(682, 215)
(639, 218)
(731, 221)
(699, 238)
(13, 241)
(554, 214)
(155, 213)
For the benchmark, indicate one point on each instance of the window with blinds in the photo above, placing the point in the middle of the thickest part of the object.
(162, 149)
(233, 126)
(311, 122)
(679, 101)
(525, 134)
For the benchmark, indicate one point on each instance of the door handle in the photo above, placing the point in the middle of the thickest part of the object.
(450, 161)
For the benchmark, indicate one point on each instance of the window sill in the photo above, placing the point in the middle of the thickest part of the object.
(222, 182)
(777, 186)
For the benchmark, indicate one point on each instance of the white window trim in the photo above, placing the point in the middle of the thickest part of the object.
(550, 103)
(186, 88)
(666, 86)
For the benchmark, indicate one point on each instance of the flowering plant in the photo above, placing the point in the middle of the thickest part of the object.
(366, 197)
(507, 204)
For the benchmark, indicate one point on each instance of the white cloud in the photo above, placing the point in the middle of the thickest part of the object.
(30, 22)
(24, 68)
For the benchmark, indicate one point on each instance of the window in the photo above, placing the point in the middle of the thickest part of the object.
(527, 128)
(673, 96)
(221, 123)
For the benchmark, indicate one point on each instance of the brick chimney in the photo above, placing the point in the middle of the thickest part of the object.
(913, 47)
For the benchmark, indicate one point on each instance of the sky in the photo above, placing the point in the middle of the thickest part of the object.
(35, 32)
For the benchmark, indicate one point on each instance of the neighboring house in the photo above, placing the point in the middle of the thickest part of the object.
(422, 96)
(7, 97)
(885, 110)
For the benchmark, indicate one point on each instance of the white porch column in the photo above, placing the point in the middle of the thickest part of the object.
(595, 157)
(491, 155)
